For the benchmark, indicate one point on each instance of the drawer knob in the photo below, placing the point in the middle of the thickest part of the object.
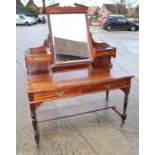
(59, 93)
(107, 86)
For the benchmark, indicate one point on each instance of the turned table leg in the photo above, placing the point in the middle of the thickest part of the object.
(123, 116)
(34, 123)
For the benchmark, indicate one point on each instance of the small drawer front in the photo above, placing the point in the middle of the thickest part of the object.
(60, 93)
(106, 86)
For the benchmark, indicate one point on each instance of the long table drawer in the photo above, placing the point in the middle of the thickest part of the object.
(60, 93)
(106, 86)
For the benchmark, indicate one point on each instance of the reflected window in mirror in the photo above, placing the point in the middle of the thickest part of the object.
(70, 37)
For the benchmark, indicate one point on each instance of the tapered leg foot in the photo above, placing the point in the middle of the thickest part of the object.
(35, 126)
(36, 137)
(123, 117)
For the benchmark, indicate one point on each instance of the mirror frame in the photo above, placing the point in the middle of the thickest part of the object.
(78, 8)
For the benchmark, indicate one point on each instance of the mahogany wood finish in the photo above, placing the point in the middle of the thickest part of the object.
(75, 82)
(56, 9)
(38, 58)
(46, 84)
(102, 54)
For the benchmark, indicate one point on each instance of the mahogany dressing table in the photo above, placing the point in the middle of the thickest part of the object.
(69, 65)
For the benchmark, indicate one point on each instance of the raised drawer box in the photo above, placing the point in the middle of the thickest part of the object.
(59, 93)
(106, 86)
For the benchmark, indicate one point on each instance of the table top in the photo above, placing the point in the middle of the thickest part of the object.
(74, 77)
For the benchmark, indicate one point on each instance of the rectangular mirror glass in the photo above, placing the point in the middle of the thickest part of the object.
(70, 38)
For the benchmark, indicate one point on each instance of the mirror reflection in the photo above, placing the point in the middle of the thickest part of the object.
(70, 39)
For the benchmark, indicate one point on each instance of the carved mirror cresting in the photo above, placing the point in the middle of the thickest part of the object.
(69, 35)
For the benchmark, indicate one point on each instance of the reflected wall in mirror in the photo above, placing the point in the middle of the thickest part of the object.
(70, 38)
